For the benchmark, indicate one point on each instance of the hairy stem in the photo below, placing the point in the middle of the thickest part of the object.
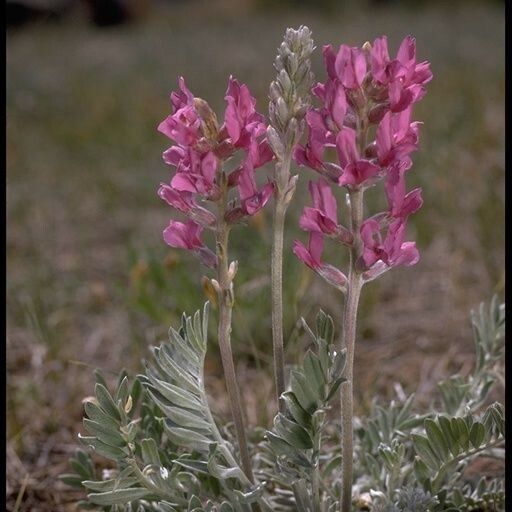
(226, 300)
(316, 472)
(277, 284)
(355, 283)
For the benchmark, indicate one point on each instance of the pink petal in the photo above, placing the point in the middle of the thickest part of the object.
(183, 97)
(316, 246)
(303, 254)
(182, 201)
(384, 138)
(343, 66)
(339, 105)
(174, 155)
(379, 57)
(412, 202)
(333, 276)
(329, 60)
(359, 64)
(209, 165)
(232, 121)
(183, 182)
(346, 146)
(407, 52)
(183, 235)
(409, 254)
(246, 183)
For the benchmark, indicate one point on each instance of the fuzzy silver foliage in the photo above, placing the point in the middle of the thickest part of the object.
(168, 455)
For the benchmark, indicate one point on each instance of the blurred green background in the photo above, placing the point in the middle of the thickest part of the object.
(90, 282)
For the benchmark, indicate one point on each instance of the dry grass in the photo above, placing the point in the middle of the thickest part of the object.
(91, 284)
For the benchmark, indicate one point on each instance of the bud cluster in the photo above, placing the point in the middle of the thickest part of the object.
(201, 148)
(366, 93)
(290, 91)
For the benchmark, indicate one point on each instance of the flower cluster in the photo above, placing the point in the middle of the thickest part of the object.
(200, 151)
(366, 94)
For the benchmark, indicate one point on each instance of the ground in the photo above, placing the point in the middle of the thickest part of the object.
(90, 282)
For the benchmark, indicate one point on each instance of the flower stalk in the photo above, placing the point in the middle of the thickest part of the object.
(289, 100)
(225, 292)
(364, 87)
(277, 296)
(355, 283)
(199, 154)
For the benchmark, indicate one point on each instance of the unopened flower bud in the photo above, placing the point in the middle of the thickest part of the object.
(209, 289)
(285, 81)
(278, 63)
(232, 270)
(275, 91)
(377, 113)
(216, 285)
(344, 235)
(275, 142)
(371, 150)
(294, 74)
(209, 119)
(282, 111)
(293, 63)
(292, 185)
(129, 404)
(234, 215)
(292, 134)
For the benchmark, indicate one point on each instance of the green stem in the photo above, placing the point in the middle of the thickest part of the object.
(226, 300)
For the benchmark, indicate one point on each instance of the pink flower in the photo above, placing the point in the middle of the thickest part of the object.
(311, 256)
(403, 76)
(323, 217)
(252, 200)
(183, 127)
(329, 60)
(400, 203)
(396, 137)
(392, 251)
(408, 83)
(350, 66)
(187, 236)
(402, 96)
(183, 97)
(334, 99)
(379, 60)
(311, 155)
(184, 202)
(241, 119)
(413, 73)
(259, 152)
(196, 173)
(183, 235)
(364, 87)
(356, 170)
(174, 155)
